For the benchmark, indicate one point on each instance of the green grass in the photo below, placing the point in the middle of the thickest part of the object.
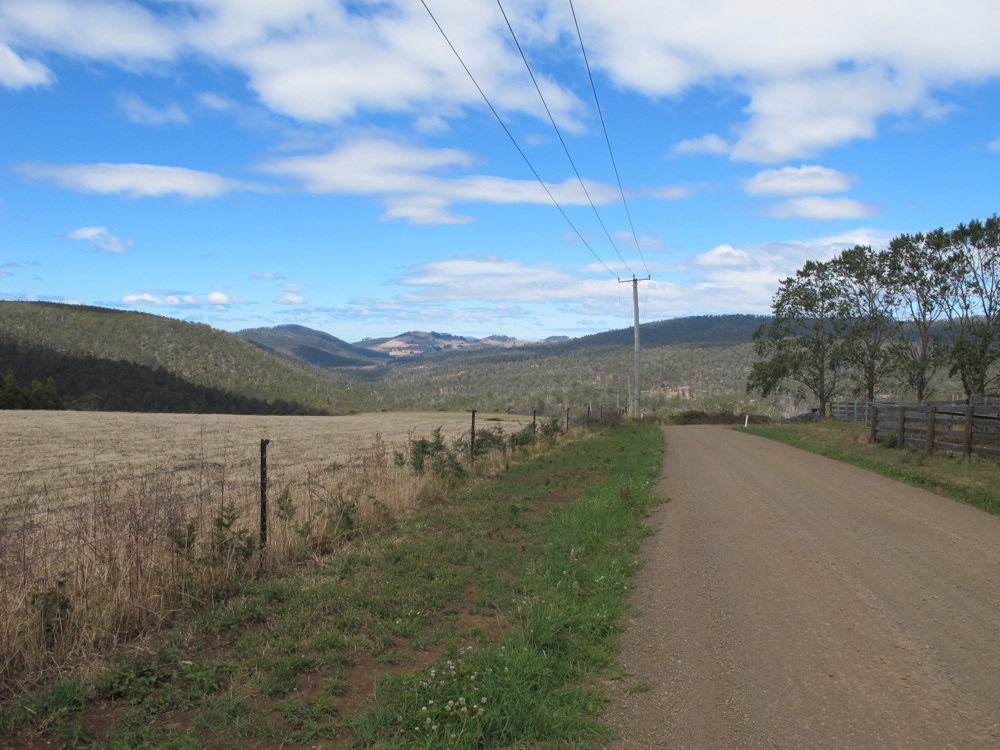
(510, 590)
(944, 473)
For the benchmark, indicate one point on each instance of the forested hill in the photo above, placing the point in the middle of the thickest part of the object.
(130, 361)
(317, 348)
(697, 330)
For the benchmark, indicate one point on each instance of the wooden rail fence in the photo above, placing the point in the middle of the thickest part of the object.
(942, 425)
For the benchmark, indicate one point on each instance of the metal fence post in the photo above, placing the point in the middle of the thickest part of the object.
(901, 428)
(263, 492)
(873, 428)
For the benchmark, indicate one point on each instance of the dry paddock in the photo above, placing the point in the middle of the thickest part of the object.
(109, 520)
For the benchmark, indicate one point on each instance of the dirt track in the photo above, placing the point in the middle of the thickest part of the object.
(790, 601)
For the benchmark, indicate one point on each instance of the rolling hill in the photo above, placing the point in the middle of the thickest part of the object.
(317, 348)
(129, 361)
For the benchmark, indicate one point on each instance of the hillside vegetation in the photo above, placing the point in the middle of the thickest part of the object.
(308, 346)
(129, 361)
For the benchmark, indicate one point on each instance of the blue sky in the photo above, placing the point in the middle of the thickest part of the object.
(250, 163)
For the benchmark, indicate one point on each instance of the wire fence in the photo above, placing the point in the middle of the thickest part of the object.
(96, 552)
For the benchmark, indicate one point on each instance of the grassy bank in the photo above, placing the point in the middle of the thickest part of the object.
(944, 473)
(480, 621)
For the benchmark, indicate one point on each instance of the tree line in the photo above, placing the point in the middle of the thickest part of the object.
(37, 396)
(871, 319)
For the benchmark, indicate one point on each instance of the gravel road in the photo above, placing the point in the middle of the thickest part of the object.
(791, 601)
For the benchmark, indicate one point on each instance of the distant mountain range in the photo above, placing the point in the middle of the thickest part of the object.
(305, 345)
(129, 361)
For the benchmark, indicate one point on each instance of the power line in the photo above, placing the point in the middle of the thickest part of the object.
(606, 137)
(514, 141)
(559, 134)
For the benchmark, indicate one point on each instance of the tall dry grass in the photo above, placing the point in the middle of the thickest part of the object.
(94, 553)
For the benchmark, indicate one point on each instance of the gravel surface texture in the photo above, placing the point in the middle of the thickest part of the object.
(791, 601)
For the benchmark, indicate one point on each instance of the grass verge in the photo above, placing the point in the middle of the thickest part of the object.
(944, 473)
(481, 621)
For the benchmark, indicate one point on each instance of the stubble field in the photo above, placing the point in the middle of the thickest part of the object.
(108, 521)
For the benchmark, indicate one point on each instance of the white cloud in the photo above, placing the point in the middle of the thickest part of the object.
(418, 184)
(290, 299)
(646, 242)
(812, 75)
(492, 279)
(142, 113)
(217, 300)
(823, 209)
(169, 300)
(17, 73)
(801, 115)
(267, 276)
(995, 145)
(710, 144)
(101, 238)
(743, 279)
(134, 180)
(804, 180)
(217, 102)
(112, 30)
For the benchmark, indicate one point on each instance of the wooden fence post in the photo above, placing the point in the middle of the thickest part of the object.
(472, 439)
(901, 429)
(263, 493)
(931, 416)
(967, 448)
(873, 428)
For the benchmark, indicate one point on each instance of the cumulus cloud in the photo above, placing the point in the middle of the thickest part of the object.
(119, 32)
(133, 180)
(823, 209)
(216, 299)
(142, 113)
(743, 279)
(290, 299)
(18, 73)
(804, 180)
(813, 76)
(102, 239)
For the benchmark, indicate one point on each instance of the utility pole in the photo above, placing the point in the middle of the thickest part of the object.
(634, 400)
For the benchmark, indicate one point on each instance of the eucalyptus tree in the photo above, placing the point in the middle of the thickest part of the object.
(972, 303)
(864, 322)
(917, 274)
(800, 349)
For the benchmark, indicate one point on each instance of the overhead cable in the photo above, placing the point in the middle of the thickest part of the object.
(514, 141)
(606, 137)
(559, 134)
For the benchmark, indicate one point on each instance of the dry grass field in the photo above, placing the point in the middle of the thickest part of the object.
(108, 521)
